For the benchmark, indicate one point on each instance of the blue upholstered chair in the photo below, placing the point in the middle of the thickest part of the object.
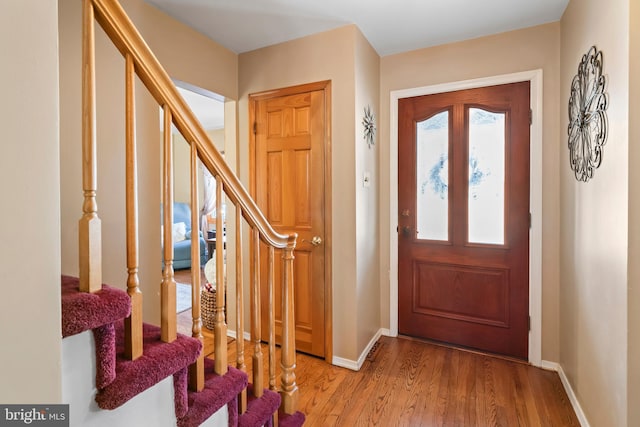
(182, 249)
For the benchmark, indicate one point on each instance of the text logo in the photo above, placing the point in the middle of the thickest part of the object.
(34, 415)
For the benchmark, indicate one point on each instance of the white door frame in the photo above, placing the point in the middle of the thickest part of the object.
(535, 196)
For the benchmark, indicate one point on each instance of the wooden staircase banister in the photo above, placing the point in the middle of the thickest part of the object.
(140, 60)
(117, 25)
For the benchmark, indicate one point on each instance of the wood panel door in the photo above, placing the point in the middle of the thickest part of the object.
(463, 177)
(289, 183)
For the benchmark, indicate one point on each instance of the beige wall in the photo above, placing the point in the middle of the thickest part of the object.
(523, 50)
(187, 56)
(367, 75)
(181, 159)
(592, 220)
(30, 360)
(324, 56)
(594, 224)
(217, 136)
(633, 299)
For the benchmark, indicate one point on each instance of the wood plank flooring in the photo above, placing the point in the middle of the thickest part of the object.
(412, 383)
(405, 382)
(184, 319)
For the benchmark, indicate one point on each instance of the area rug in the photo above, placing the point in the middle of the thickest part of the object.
(183, 297)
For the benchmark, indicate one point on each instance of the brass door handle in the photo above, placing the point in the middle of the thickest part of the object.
(315, 240)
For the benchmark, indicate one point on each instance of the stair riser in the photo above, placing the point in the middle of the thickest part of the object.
(154, 407)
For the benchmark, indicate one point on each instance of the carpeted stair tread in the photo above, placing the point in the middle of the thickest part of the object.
(159, 360)
(218, 391)
(118, 379)
(294, 420)
(259, 410)
(83, 311)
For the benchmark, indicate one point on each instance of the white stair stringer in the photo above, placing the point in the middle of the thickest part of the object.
(153, 407)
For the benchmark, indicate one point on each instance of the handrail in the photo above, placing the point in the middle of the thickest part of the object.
(119, 28)
(140, 60)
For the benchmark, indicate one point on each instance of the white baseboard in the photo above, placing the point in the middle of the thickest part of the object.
(355, 365)
(345, 363)
(553, 366)
(549, 366)
(232, 334)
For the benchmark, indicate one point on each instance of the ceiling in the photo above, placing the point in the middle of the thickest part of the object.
(391, 26)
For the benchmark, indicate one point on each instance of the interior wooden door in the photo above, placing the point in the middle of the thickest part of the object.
(290, 190)
(463, 177)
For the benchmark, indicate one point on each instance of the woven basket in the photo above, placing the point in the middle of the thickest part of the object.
(208, 305)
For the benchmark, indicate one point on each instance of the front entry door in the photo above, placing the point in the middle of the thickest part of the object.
(463, 180)
(290, 189)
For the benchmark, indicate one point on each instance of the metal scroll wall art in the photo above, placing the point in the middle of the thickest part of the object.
(369, 126)
(587, 116)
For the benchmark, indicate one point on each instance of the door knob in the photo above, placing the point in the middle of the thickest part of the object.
(406, 231)
(315, 240)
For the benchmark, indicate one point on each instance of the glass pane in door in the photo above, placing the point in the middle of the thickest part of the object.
(432, 175)
(486, 176)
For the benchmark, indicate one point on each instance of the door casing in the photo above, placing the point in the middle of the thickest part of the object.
(535, 197)
(324, 86)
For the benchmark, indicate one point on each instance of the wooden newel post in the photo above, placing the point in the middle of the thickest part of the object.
(289, 388)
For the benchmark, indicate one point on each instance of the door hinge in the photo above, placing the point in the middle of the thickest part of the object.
(530, 220)
(255, 128)
(530, 116)
(529, 322)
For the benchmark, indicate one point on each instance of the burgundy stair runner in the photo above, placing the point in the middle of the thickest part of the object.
(119, 379)
(158, 361)
(259, 411)
(218, 391)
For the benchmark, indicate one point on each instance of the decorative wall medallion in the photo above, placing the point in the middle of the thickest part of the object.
(369, 124)
(587, 116)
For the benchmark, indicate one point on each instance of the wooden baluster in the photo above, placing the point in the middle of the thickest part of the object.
(89, 227)
(289, 388)
(272, 323)
(196, 370)
(272, 331)
(242, 399)
(256, 334)
(133, 323)
(219, 325)
(168, 287)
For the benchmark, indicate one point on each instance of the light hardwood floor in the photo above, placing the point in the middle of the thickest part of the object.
(405, 382)
(184, 318)
(412, 383)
